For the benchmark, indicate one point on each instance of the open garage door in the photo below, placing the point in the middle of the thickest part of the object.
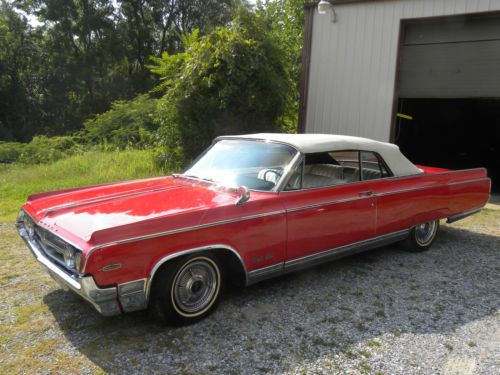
(449, 83)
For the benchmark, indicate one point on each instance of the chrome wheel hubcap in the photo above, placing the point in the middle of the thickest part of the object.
(195, 286)
(424, 233)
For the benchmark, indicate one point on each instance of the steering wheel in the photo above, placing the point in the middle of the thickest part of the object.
(278, 175)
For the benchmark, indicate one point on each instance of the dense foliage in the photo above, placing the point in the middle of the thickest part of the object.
(230, 81)
(86, 54)
(80, 76)
(128, 124)
(41, 149)
(286, 20)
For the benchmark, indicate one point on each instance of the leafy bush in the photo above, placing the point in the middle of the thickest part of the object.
(127, 124)
(231, 81)
(286, 18)
(44, 149)
(10, 151)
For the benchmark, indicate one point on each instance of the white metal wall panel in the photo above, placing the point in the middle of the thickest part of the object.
(353, 62)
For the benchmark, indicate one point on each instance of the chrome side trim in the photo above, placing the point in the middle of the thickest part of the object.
(379, 195)
(176, 231)
(159, 263)
(463, 215)
(430, 187)
(328, 203)
(265, 273)
(293, 265)
(338, 252)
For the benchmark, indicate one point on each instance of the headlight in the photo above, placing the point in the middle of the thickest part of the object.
(20, 219)
(69, 256)
(20, 216)
(78, 260)
(72, 257)
(30, 226)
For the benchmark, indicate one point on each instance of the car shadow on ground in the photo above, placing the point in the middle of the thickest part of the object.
(280, 324)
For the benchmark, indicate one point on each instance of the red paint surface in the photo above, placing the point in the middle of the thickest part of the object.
(93, 216)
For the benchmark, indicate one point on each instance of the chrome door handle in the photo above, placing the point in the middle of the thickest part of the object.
(367, 193)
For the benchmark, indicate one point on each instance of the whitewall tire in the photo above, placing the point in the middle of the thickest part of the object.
(186, 290)
(422, 236)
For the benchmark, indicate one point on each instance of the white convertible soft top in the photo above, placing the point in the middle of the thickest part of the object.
(313, 143)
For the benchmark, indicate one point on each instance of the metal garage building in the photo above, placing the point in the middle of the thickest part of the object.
(436, 61)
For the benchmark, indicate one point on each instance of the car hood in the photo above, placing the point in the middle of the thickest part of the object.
(109, 212)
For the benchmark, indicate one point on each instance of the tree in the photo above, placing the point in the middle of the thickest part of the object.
(286, 19)
(20, 86)
(86, 55)
(230, 81)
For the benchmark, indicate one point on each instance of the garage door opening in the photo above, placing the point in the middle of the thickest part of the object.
(452, 133)
(449, 83)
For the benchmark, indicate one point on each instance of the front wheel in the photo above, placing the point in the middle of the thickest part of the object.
(422, 236)
(186, 290)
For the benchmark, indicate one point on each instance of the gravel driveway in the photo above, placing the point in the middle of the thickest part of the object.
(384, 312)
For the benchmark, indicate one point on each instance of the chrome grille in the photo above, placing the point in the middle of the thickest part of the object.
(50, 244)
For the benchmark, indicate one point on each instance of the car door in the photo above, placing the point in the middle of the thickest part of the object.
(396, 205)
(331, 207)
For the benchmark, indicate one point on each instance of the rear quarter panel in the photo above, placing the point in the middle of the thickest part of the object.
(406, 201)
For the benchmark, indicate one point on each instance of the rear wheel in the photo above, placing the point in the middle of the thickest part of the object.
(422, 236)
(186, 290)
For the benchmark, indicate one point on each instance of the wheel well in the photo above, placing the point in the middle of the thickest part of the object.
(231, 265)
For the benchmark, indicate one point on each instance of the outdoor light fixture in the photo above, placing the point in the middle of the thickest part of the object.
(324, 6)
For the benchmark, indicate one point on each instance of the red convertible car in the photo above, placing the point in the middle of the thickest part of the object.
(249, 208)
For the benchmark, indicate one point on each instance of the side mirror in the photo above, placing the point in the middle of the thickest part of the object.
(244, 195)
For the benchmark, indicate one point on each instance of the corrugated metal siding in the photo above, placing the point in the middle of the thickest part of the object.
(353, 62)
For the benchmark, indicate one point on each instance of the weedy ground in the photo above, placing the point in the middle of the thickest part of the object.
(383, 312)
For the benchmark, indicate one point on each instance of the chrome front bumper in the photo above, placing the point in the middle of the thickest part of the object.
(104, 300)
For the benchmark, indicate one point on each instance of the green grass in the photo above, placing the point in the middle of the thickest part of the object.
(364, 353)
(23, 325)
(18, 181)
(373, 343)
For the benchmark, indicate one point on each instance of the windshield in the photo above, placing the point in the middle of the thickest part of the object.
(254, 164)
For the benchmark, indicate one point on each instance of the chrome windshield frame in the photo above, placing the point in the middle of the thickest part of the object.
(297, 157)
